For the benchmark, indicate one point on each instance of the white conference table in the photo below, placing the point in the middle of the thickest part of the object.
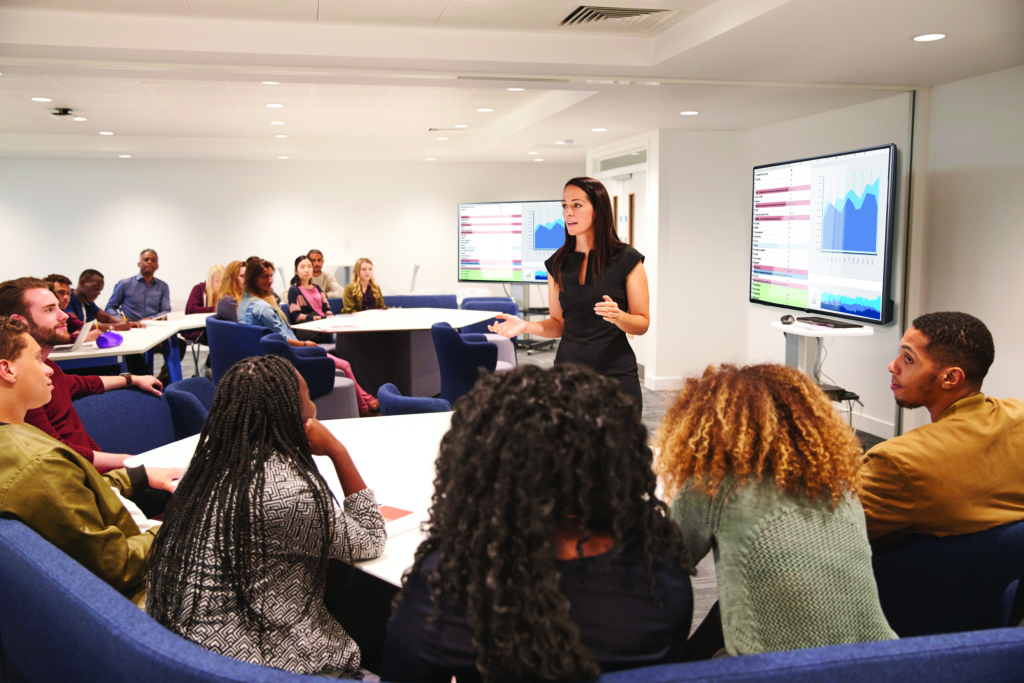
(395, 455)
(192, 321)
(394, 345)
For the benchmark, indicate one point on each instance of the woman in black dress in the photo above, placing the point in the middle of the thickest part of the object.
(597, 289)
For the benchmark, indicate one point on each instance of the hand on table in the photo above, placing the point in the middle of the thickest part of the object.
(164, 478)
(93, 334)
(148, 383)
(510, 325)
(609, 310)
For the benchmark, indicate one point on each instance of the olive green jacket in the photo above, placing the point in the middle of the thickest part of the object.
(60, 495)
(352, 299)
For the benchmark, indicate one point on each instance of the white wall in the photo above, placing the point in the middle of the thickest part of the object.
(66, 216)
(974, 235)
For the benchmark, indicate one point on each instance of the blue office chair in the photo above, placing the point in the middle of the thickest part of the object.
(127, 421)
(336, 304)
(460, 358)
(231, 342)
(332, 392)
(937, 585)
(393, 403)
(421, 301)
(501, 304)
(190, 401)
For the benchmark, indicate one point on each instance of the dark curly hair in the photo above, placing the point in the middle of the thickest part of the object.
(958, 340)
(526, 451)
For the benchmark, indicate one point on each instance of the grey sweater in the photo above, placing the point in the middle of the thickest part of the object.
(791, 573)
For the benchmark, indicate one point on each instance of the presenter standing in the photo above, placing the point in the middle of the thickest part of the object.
(597, 291)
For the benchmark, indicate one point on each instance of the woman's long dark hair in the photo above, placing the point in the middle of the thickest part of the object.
(526, 451)
(606, 241)
(296, 280)
(255, 417)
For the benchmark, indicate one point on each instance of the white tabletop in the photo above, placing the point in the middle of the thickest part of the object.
(807, 330)
(136, 340)
(395, 456)
(397, 319)
(192, 321)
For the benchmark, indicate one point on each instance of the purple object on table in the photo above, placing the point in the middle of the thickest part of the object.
(109, 339)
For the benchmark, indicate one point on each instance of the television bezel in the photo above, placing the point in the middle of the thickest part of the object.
(887, 304)
(458, 224)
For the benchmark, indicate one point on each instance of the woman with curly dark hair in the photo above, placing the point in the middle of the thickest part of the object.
(763, 470)
(549, 557)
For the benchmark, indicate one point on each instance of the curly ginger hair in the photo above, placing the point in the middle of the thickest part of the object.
(756, 421)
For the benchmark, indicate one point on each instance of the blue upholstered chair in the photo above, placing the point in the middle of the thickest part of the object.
(956, 583)
(393, 403)
(460, 358)
(127, 421)
(190, 401)
(336, 304)
(231, 342)
(332, 392)
(506, 345)
(421, 301)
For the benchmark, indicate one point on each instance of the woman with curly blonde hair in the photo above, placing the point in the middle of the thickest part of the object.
(762, 469)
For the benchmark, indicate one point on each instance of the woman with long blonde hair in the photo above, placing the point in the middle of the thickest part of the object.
(761, 468)
(230, 291)
(362, 293)
(203, 299)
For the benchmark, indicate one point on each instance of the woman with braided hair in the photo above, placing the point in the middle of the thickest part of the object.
(240, 564)
(761, 468)
(548, 557)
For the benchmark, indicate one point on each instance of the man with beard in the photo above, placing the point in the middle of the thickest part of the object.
(326, 280)
(963, 472)
(30, 301)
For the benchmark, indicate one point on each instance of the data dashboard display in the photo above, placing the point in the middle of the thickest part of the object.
(508, 241)
(821, 238)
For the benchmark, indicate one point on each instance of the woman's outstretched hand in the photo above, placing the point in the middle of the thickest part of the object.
(509, 325)
(608, 309)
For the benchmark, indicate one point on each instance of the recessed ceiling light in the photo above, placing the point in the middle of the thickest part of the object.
(442, 138)
(516, 89)
(105, 132)
(533, 152)
(79, 118)
(929, 37)
(282, 157)
(538, 160)
(430, 159)
(485, 110)
(275, 106)
(277, 123)
(124, 156)
(560, 142)
(41, 99)
(281, 136)
(460, 125)
(688, 113)
(598, 130)
(269, 82)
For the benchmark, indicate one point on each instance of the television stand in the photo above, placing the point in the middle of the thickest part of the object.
(803, 344)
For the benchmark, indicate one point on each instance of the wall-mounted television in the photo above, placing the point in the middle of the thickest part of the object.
(508, 241)
(821, 234)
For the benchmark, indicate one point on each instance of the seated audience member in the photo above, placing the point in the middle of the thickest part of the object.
(549, 556)
(139, 298)
(60, 285)
(247, 580)
(323, 279)
(306, 301)
(203, 299)
(962, 473)
(362, 294)
(58, 493)
(763, 470)
(230, 291)
(258, 307)
(82, 304)
(30, 301)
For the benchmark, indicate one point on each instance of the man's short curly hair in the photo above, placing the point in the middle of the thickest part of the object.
(958, 340)
(13, 339)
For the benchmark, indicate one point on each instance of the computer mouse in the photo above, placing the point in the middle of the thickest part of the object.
(787, 320)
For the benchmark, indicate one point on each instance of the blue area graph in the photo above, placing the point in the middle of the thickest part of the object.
(549, 235)
(852, 305)
(850, 225)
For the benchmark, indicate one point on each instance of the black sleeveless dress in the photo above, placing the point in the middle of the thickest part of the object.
(588, 339)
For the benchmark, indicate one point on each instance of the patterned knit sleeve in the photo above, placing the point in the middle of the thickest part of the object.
(689, 511)
(360, 526)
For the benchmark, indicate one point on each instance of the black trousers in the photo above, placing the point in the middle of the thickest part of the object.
(362, 605)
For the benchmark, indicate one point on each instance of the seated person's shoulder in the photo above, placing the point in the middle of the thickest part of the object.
(24, 448)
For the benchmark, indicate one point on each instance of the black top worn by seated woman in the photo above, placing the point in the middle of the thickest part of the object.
(588, 339)
(611, 603)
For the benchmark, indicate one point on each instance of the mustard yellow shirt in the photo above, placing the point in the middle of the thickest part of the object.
(960, 474)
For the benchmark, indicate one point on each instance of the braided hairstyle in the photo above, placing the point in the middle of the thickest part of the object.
(527, 450)
(255, 417)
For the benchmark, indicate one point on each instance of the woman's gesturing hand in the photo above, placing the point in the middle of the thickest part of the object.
(509, 325)
(609, 310)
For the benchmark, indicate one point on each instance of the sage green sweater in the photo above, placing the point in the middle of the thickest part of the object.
(791, 573)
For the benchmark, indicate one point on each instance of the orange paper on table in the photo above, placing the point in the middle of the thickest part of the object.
(390, 514)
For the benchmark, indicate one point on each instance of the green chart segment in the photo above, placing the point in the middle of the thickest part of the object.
(779, 294)
(501, 275)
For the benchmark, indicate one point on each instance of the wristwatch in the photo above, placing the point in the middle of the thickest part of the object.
(127, 379)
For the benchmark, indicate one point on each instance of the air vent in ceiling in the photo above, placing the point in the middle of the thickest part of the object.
(586, 14)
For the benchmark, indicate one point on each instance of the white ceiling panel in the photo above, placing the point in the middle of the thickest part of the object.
(262, 10)
(30, 4)
(88, 87)
(167, 91)
(160, 7)
(421, 13)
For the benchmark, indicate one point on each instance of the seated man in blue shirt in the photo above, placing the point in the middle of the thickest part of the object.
(83, 303)
(139, 298)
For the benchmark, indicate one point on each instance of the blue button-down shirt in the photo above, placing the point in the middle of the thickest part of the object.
(83, 311)
(137, 300)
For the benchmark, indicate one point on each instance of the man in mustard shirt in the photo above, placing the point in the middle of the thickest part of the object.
(962, 473)
(54, 490)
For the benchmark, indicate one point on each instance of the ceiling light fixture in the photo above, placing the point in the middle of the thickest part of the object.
(929, 37)
(485, 110)
(516, 89)
(442, 138)
(79, 118)
(124, 156)
(688, 113)
(533, 152)
(41, 99)
(282, 158)
(277, 123)
(430, 159)
(598, 130)
(281, 136)
(269, 82)
(538, 160)
(106, 132)
(275, 106)
(460, 125)
(560, 142)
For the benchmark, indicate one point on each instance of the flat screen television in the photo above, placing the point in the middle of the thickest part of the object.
(508, 242)
(821, 234)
